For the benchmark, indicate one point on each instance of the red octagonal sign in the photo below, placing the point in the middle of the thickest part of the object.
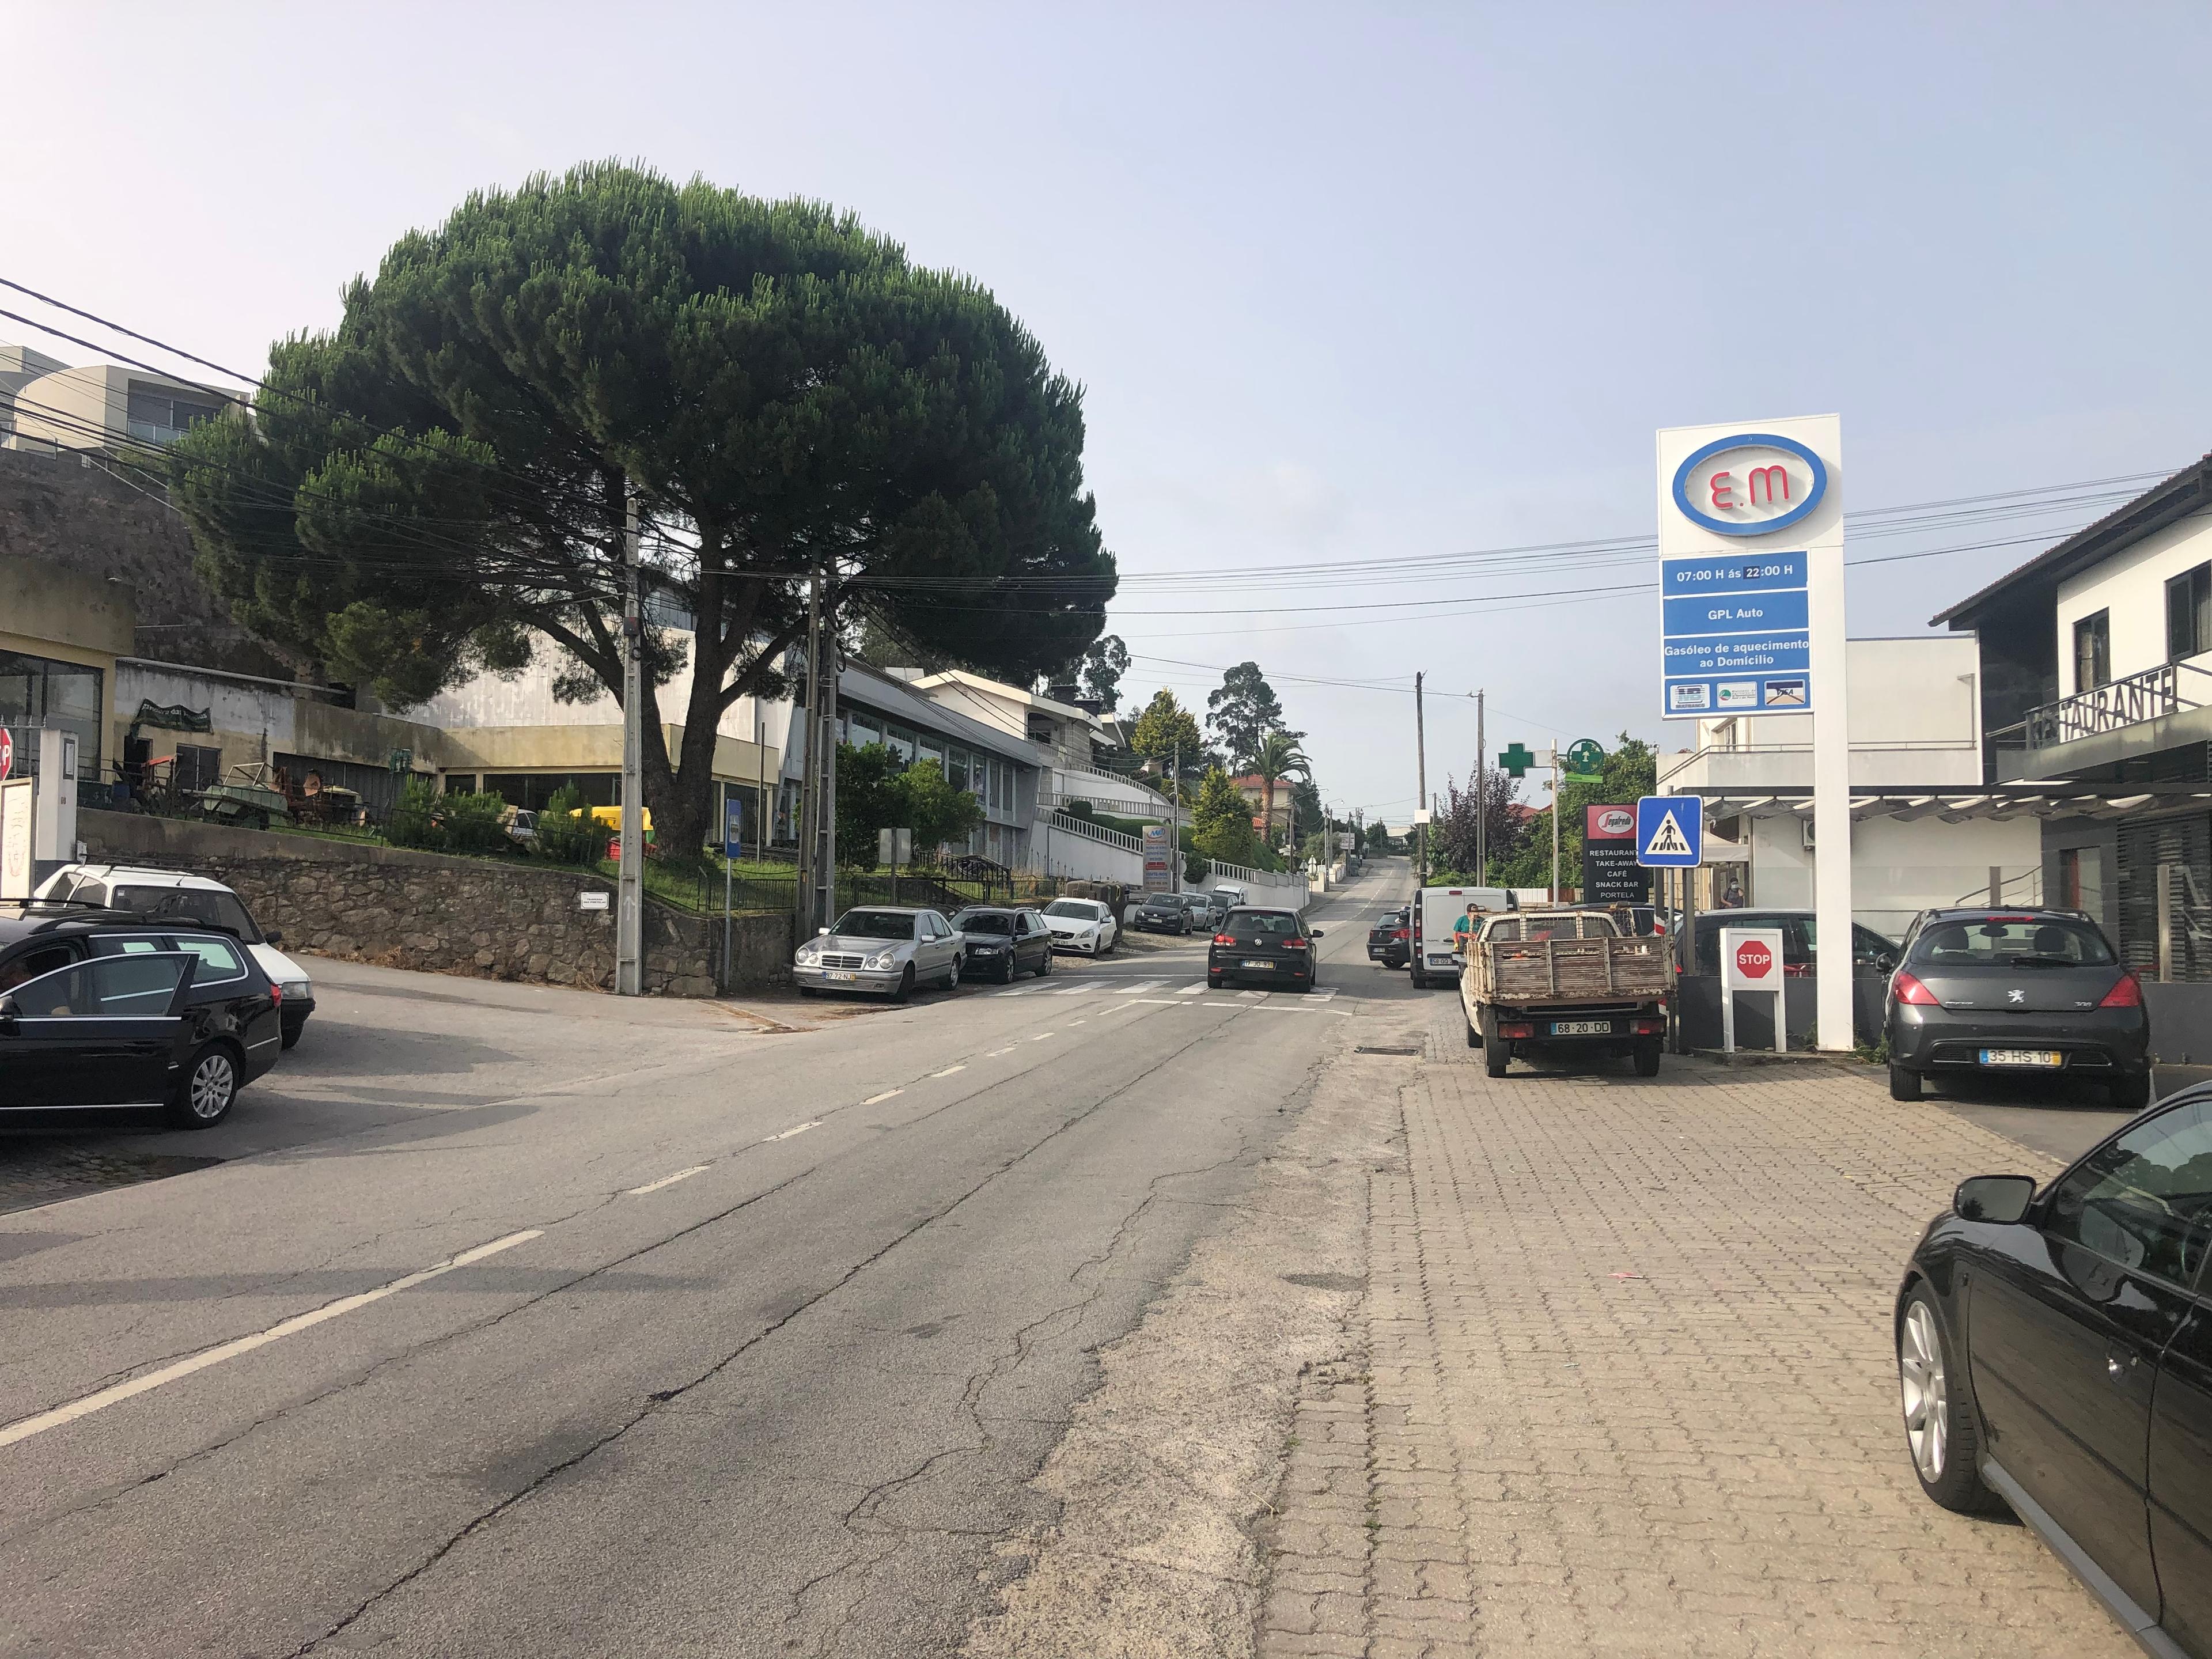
(1754, 960)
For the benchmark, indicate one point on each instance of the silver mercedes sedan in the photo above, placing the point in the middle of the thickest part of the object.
(883, 949)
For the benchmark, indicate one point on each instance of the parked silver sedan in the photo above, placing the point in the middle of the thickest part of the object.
(883, 949)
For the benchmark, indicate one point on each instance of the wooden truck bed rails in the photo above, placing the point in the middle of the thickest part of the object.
(1515, 973)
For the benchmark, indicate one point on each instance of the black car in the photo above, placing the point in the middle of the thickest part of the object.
(2034, 992)
(1005, 942)
(1162, 912)
(1274, 946)
(60, 1048)
(2054, 1351)
(1871, 953)
(1389, 941)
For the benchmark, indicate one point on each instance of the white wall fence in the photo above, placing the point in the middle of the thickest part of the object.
(1074, 848)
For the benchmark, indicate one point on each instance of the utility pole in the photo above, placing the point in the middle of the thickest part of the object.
(817, 852)
(1555, 822)
(1421, 778)
(629, 879)
(1481, 798)
(1175, 824)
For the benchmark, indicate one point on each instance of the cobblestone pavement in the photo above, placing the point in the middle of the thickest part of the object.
(1624, 1385)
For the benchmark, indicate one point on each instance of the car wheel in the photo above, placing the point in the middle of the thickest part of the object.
(1497, 1054)
(1044, 965)
(1904, 1082)
(952, 976)
(1647, 1057)
(905, 985)
(810, 990)
(1215, 982)
(2130, 1094)
(1420, 979)
(1474, 1034)
(208, 1087)
(1939, 1419)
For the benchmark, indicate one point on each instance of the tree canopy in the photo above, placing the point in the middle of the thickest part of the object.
(1221, 821)
(1630, 772)
(1166, 728)
(1243, 711)
(878, 791)
(1103, 665)
(436, 487)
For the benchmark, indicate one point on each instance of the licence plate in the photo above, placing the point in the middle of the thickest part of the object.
(2047, 1059)
(1255, 964)
(838, 973)
(1581, 1028)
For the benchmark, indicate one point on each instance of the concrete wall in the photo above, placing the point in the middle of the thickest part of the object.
(1899, 868)
(2131, 585)
(484, 918)
(1059, 851)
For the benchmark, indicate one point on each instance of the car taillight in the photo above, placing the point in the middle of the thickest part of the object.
(1907, 988)
(2128, 993)
(1401, 933)
(1523, 1032)
(1225, 938)
(276, 993)
(1294, 944)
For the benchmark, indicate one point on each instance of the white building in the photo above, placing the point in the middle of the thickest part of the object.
(52, 407)
(1925, 831)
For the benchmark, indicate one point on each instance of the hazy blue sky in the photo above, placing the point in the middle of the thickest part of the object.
(1341, 283)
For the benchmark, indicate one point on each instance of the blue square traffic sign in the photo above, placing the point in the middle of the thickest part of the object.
(1670, 831)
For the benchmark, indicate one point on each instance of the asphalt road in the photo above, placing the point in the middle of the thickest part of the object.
(755, 1337)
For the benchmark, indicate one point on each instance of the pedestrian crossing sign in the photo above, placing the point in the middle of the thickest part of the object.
(1670, 831)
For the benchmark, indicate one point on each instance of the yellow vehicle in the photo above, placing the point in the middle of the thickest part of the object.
(611, 818)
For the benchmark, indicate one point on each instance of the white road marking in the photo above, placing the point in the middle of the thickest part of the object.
(949, 1071)
(877, 1100)
(1026, 991)
(1251, 996)
(1323, 996)
(1078, 1021)
(798, 1129)
(24, 1428)
(1039, 1036)
(1192, 990)
(1159, 1002)
(669, 1181)
(1073, 991)
(1142, 985)
(1221, 1005)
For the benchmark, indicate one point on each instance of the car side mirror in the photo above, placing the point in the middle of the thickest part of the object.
(1313, 933)
(821, 933)
(10, 1012)
(1994, 1198)
(273, 936)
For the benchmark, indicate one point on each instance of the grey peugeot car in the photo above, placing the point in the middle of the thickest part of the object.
(886, 948)
(2029, 992)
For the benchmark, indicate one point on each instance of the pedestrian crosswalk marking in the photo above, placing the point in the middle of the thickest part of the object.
(1251, 996)
(1192, 990)
(1142, 985)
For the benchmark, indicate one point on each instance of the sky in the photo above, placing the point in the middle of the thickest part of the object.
(1341, 284)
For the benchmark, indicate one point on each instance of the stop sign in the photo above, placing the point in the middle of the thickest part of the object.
(1754, 960)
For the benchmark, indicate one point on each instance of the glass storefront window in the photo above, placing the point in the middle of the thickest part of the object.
(36, 691)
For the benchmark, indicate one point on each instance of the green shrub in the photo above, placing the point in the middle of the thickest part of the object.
(413, 821)
(472, 823)
(566, 834)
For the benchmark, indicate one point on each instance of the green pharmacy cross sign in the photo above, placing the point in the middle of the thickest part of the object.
(1585, 762)
(1517, 760)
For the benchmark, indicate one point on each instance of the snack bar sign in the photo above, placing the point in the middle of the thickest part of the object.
(1735, 625)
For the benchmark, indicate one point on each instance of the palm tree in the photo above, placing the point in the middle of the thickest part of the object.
(1278, 758)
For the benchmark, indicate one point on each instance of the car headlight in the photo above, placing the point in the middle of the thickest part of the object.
(883, 959)
(809, 955)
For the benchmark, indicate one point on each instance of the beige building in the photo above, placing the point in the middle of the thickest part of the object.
(51, 406)
(60, 635)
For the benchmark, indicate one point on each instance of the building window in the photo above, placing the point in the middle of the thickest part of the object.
(933, 749)
(2093, 652)
(159, 415)
(2189, 613)
(866, 730)
(36, 691)
(900, 741)
(198, 768)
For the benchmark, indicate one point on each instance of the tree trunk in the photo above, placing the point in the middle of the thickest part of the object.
(1268, 813)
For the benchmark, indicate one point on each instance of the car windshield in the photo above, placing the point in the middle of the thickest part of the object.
(983, 922)
(1266, 924)
(875, 924)
(215, 907)
(1076, 910)
(2011, 941)
(1162, 902)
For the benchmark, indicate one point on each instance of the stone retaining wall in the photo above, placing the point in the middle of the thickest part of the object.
(489, 918)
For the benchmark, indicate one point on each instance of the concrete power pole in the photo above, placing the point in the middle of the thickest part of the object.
(629, 882)
(1481, 798)
(1175, 824)
(1421, 777)
(817, 852)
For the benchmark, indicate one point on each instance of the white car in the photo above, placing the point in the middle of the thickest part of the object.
(168, 893)
(1083, 926)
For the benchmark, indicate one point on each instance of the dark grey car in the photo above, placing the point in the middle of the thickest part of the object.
(2034, 992)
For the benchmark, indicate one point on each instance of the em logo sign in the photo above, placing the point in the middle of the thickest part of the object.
(1750, 484)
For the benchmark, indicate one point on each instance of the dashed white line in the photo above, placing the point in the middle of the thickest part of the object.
(1040, 1036)
(1141, 985)
(24, 1428)
(1079, 1022)
(1159, 1002)
(877, 1100)
(1221, 1005)
(995, 1053)
(949, 1071)
(797, 1129)
(669, 1181)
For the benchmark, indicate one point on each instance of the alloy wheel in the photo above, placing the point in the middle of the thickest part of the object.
(1926, 1391)
(214, 1081)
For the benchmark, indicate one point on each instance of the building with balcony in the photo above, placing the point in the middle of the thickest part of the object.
(51, 407)
(2096, 695)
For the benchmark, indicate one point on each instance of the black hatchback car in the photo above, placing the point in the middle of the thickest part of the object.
(2054, 1351)
(1275, 947)
(1389, 940)
(2016, 991)
(1004, 942)
(1161, 912)
(77, 1031)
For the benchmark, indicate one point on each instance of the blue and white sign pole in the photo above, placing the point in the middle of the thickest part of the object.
(1751, 562)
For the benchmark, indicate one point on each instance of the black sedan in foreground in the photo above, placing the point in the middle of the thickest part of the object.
(1389, 941)
(2016, 991)
(1004, 942)
(2054, 1351)
(1270, 947)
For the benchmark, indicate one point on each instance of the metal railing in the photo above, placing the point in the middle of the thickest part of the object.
(2128, 700)
(1083, 827)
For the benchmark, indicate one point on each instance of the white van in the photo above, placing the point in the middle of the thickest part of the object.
(1435, 909)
